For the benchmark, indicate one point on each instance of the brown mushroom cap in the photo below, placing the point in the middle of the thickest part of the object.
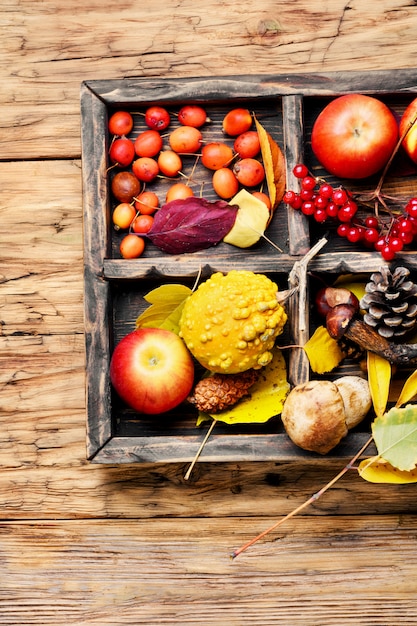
(314, 416)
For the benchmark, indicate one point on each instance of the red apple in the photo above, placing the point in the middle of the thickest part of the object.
(408, 120)
(152, 370)
(354, 136)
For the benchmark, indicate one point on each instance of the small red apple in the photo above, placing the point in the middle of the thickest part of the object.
(354, 136)
(152, 370)
(408, 120)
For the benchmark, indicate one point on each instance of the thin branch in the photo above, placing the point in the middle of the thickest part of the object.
(305, 504)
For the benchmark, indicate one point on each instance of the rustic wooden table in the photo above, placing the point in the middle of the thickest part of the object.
(84, 543)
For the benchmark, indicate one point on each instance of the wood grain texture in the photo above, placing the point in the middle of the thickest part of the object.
(112, 572)
(50, 48)
(84, 544)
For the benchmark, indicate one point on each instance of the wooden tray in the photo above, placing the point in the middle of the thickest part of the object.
(114, 288)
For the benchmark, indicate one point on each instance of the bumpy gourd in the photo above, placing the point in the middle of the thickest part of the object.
(231, 321)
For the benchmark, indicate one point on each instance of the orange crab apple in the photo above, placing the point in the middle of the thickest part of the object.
(152, 370)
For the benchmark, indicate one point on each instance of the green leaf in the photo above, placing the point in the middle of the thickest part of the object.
(409, 390)
(166, 307)
(395, 436)
(377, 470)
(379, 378)
(266, 397)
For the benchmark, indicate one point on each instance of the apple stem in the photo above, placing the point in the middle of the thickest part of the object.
(199, 451)
(305, 504)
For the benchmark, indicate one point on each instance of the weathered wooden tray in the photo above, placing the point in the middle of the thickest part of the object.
(114, 288)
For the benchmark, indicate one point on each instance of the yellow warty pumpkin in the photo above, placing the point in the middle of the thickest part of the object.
(231, 321)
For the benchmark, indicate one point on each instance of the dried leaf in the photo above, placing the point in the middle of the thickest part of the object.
(377, 470)
(395, 436)
(409, 389)
(191, 224)
(323, 352)
(166, 307)
(379, 378)
(266, 399)
(251, 220)
(274, 164)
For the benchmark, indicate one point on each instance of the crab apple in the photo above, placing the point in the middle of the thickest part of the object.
(169, 162)
(192, 115)
(179, 191)
(261, 195)
(142, 224)
(409, 121)
(125, 186)
(236, 122)
(216, 154)
(148, 143)
(249, 172)
(225, 183)
(157, 118)
(120, 123)
(122, 152)
(145, 168)
(147, 202)
(247, 145)
(185, 139)
(132, 246)
(152, 370)
(354, 136)
(123, 215)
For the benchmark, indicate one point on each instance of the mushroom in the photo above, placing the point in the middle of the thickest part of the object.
(319, 413)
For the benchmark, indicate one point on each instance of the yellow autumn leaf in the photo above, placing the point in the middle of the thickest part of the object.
(166, 303)
(274, 164)
(251, 220)
(323, 352)
(377, 470)
(409, 389)
(379, 379)
(266, 397)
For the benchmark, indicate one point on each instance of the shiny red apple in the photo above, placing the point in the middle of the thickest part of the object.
(354, 136)
(408, 122)
(152, 370)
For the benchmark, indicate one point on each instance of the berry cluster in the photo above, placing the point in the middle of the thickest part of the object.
(385, 234)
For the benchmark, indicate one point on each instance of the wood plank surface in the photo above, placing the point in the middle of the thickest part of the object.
(51, 47)
(114, 544)
(134, 572)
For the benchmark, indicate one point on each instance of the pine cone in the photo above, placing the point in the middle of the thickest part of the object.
(390, 302)
(220, 391)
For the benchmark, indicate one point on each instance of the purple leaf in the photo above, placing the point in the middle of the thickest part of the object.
(191, 224)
